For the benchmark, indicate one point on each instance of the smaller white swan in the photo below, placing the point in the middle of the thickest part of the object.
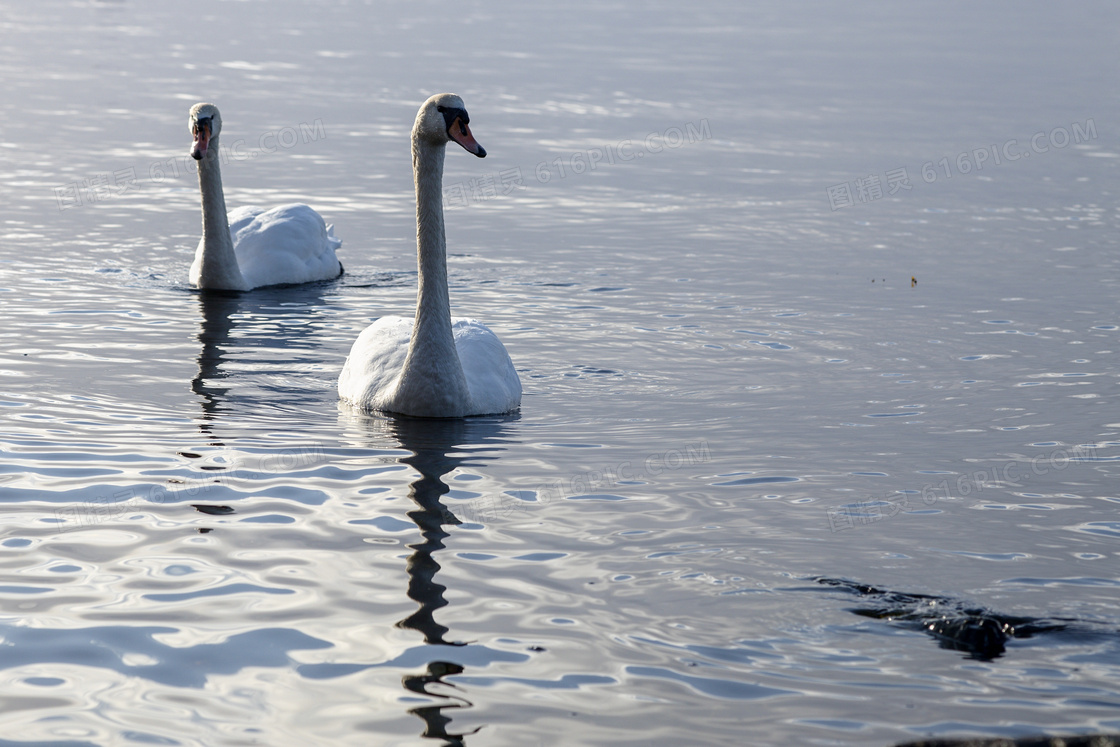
(252, 247)
(432, 366)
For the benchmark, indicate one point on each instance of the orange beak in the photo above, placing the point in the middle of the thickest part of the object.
(461, 133)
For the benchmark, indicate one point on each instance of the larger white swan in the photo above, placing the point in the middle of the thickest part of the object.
(252, 247)
(433, 365)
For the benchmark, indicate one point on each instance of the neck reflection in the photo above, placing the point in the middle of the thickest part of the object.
(217, 310)
(270, 335)
(437, 447)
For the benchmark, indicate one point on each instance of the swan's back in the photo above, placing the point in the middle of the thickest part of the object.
(285, 244)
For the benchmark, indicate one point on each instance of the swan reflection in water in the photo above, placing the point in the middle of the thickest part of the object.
(275, 330)
(257, 356)
(436, 448)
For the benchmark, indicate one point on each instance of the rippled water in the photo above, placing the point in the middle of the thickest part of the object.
(735, 382)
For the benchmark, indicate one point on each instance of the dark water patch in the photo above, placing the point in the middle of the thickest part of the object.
(212, 510)
(389, 524)
(108, 647)
(269, 519)
(218, 591)
(757, 481)
(596, 497)
(956, 625)
(711, 686)
(566, 682)
(469, 656)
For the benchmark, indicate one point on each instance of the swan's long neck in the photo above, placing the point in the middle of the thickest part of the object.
(432, 371)
(218, 263)
(433, 302)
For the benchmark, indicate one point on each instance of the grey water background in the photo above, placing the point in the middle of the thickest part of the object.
(732, 383)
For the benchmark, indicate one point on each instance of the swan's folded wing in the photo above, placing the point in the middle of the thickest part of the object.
(286, 244)
(369, 376)
(493, 382)
(240, 218)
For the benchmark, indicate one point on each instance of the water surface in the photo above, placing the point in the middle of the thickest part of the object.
(736, 379)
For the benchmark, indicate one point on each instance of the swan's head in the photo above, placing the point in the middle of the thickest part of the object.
(442, 118)
(205, 124)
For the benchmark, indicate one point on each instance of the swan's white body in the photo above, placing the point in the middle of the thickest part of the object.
(432, 365)
(372, 376)
(252, 247)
